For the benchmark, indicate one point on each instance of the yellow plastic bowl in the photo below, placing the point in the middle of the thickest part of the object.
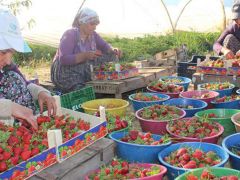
(113, 106)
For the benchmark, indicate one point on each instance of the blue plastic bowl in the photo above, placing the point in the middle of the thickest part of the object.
(224, 92)
(173, 172)
(185, 83)
(198, 105)
(140, 104)
(229, 141)
(227, 105)
(135, 152)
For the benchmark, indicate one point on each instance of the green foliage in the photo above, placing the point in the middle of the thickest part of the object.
(135, 49)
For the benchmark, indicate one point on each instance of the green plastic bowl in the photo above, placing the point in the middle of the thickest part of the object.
(217, 171)
(224, 119)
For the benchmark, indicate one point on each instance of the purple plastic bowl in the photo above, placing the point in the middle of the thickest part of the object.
(155, 126)
(172, 95)
(212, 139)
(159, 176)
(190, 94)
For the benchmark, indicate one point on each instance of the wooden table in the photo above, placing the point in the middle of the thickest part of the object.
(204, 78)
(91, 158)
(118, 87)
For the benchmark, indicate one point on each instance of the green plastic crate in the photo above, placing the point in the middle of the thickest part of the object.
(73, 100)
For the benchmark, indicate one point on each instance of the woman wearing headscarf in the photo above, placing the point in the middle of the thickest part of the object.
(17, 95)
(79, 48)
(228, 44)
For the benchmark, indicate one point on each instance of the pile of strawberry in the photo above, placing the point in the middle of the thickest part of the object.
(189, 158)
(146, 97)
(70, 127)
(227, 98)
(161, 86)
(136, 137)
(236, 149)
(194, 128)
(119, 169)
(115, 123)
(111, 67)
(185, 106)
(160, 112)
(172, 80)
(203, 96)
(216, 86)
(207, 175)
(19, 143)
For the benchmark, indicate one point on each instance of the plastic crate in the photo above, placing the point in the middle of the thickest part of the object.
(73, 100)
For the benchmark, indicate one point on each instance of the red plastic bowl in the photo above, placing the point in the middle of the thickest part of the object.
(159, 176)
(190, 94)
(212, 139)
(172, 95)
(155, 126)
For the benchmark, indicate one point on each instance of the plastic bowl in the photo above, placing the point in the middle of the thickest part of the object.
(140, 104)
(227, 105)
(119, 106)
(154, 126)
(173, 171)
(136, 152)
(159, 176)
(191, 94)
(198, 105)
(172, 95)
(185, 83)
(212, 139)
(216, 171)
(223, 118)
(223, 92)
(229, 141)
(234, 119)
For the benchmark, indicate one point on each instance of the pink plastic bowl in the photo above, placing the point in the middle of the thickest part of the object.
(155, 126)
(212, 139)
(190, 94)
(159, 176)
(172, 95)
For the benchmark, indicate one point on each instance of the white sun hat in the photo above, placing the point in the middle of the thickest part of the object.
(10, 34)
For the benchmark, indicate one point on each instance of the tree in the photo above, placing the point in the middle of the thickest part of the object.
(16, 6)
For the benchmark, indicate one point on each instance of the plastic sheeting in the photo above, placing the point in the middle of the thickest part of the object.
(125, 18)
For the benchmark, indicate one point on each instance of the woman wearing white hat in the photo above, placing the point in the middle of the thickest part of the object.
(228, 43)
(16, 94)
(79, 48)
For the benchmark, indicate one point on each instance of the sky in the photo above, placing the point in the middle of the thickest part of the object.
(227, 3)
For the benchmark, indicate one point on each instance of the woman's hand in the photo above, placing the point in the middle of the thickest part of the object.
(45, 98)
(117, 52)
(228, 54)
(90, 55)
(24, 114)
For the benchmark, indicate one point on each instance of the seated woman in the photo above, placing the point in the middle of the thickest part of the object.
(16, 94)
(79, 48)
(228, 44)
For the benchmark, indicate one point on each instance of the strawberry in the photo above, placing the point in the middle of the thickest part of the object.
(12, 140)
(3, 166)
(35, 151)
(6, 155)
(14, 160)
(31, 169)
(192, 177)
(1, 157)
(133, 134)
(107, 171)
(181, 151)
(96, 178)
(17, 150)
(186, 157)
(25, 155)
(231, 177)
(114, 163)
(197, 154)
(63, 153)
(190, 165)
